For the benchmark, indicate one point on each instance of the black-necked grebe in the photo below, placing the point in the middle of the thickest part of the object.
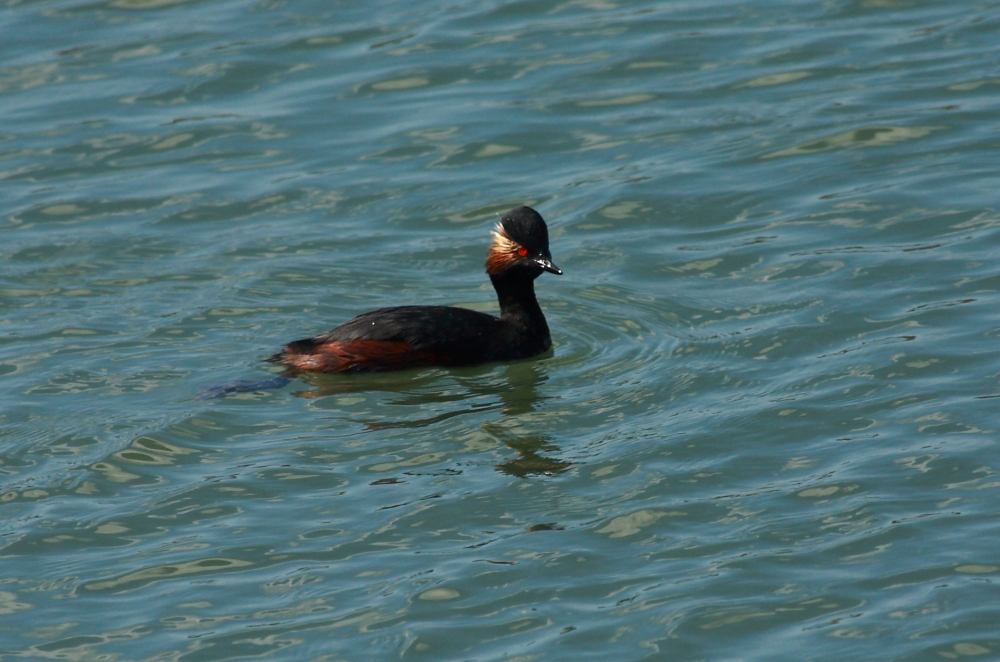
(418, 336)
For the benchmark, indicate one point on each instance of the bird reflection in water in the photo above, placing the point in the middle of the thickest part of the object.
(530, 461)
(516, 386)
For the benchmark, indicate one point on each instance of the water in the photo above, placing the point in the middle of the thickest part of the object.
(767, 430)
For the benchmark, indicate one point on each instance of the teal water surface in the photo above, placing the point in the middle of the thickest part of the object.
(768, 426)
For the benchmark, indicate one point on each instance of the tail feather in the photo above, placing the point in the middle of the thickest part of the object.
(294, 348)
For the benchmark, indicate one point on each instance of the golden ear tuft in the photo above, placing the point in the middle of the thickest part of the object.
(503, 251)
(501, 241)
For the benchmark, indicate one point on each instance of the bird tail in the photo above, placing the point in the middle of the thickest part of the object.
(295, 348)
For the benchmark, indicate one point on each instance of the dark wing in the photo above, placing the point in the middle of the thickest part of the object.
(443, 330)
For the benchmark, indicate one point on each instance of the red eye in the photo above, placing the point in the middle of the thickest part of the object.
(522, 251)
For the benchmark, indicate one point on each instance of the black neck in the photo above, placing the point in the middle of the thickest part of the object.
(522, 329)
(516, 292)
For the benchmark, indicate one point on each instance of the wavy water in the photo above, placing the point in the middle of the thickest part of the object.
(767, 428)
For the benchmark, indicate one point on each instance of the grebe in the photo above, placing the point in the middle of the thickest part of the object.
(420, 336)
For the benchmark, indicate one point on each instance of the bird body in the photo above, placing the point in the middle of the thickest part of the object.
(418, 336)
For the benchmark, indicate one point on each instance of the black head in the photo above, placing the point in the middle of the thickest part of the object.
(521, 239)
(527, 227)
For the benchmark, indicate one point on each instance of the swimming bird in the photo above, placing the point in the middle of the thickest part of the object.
(420, 336)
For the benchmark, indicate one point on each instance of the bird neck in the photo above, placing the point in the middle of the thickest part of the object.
(516, 293)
